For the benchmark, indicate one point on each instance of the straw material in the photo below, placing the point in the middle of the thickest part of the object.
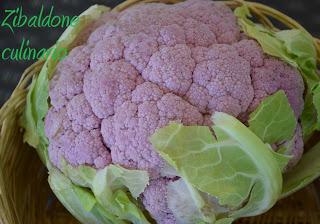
(25, 197)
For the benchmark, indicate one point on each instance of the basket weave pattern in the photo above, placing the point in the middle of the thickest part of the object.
(25, 196)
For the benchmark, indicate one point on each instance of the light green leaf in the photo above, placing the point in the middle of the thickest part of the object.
(79, 201)
(106, 182)
(284, 153)
(115, 177)
(282, 159)
(307, 170)
(308, 117)
(300, 46)
(187, 204)
(236, 167)
(272, 113)
(82, 175)
(129, 211)
(298, 43)
(28, 122)
(35, 111)
(112, 177)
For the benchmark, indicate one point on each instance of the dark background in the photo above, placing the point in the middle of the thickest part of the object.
(304, 11)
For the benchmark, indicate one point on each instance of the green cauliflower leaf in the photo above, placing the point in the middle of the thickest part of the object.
(236, 166)
(273, 112)
(109, 186)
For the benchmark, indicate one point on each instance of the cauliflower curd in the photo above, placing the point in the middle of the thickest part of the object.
(150, 65)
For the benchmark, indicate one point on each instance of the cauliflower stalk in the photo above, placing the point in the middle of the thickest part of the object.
(175, 114)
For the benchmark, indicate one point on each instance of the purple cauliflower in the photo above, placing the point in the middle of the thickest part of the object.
(150, 65)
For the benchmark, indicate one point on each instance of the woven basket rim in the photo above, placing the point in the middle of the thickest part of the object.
(10, 112)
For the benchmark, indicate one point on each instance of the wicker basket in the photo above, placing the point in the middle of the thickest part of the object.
(25, 196)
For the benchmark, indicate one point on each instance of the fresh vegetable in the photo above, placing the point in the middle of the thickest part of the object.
(175, 114)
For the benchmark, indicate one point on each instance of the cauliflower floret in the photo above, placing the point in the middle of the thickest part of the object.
(89, 149)
(150, 65)
(295, 148)
(106, 50)
(56, 122)
(65, 86)
(251, 51)
(127, 132)
(81, 115)
(77, 148)
(171, 67)
(221, 80)
(139, 49)
(198, 33)
(78, 59)
(68, 78)
(273, 76)
(155, 201)
(104, 31)
(109, 85)
(103, 28)
(171, 35)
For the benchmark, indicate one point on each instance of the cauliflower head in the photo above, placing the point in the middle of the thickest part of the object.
(150, 65)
